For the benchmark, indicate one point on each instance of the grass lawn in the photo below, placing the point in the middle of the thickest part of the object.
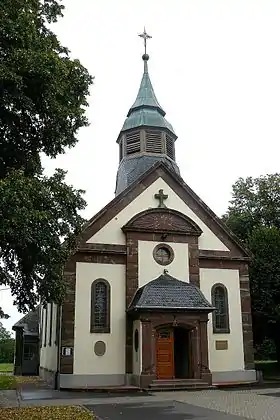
(45, 413)
(269, 368)
(6, 367)
(11, 382)
(7, 382)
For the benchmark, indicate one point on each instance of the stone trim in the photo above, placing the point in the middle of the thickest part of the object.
(195, 322)
(168, 248)
(247, 322)
(220, 255)
(102, 248)
(163, 220)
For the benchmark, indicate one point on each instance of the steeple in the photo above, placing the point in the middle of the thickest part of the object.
(146, 136)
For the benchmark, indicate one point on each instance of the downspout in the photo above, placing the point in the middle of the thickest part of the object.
(56, 380)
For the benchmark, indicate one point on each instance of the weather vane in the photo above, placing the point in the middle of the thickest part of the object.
(145, 36)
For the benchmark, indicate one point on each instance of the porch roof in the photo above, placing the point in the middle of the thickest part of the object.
(29, 323)
(167, 292)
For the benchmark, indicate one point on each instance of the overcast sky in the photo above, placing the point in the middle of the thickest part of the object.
(215, 68)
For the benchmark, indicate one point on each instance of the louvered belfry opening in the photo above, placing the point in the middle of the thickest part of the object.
(170, 147)
(147, 141)
(121, 150)
(154, 142)
(133, 143)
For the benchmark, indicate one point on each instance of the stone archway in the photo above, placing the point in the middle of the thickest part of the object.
(195, 324)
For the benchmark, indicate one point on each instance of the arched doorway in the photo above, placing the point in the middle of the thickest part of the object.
(173, 353)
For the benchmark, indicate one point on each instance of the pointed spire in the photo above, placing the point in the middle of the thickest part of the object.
(146, 97)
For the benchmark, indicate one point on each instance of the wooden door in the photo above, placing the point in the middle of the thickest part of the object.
(165, 354)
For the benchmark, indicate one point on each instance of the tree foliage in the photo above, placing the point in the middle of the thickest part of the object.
(7, 346)
(254, 216)
(43, 98)
(4, 334)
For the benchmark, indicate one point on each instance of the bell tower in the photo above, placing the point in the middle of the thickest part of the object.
(146, 136)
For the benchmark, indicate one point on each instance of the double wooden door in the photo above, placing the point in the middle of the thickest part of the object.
(165, 354)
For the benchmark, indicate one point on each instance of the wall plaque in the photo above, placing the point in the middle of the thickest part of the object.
(67, 351)
(221, 345)
(99, 348)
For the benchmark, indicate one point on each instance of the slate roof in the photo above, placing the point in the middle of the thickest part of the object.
(167, 292)
(29, 323)
(131, 169)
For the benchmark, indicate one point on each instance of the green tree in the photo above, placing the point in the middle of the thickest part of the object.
(4, 334)
(7, 349)
(254, 216)
(43, 98)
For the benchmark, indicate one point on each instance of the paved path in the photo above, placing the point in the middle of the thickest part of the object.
(257, 404)
(251, 404)
(8, 399)
(167, 410)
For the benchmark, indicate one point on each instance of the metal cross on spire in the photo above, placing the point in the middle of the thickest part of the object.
(145, 36)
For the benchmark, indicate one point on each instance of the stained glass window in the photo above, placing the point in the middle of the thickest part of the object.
(100, 306)
(220, 315)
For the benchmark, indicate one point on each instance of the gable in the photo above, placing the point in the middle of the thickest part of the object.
(96, 230)
(112, 232)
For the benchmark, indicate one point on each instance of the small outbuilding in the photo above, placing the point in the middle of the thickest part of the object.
(27, 344)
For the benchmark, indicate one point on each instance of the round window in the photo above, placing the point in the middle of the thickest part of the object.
(163, 254)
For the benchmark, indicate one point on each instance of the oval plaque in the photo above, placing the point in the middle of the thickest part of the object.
(99, 348)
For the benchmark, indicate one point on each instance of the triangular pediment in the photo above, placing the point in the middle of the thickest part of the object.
(163, 220)
(197, 209)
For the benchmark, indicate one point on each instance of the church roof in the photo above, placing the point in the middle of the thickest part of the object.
(167, 292)
(29, 323)
(131, 169)
(146, 110)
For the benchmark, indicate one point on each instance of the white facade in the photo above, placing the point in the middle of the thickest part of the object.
(86, 362)
(149, 269)
(48, 351)
(231, 359)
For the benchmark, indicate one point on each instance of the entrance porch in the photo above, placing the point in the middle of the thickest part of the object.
(168, 322)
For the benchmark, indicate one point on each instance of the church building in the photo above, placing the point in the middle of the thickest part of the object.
(158, 288)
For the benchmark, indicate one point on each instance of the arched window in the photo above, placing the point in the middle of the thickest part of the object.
(221, 314)
(100, 306)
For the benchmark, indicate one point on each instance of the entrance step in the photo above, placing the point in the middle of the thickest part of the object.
(179, 385)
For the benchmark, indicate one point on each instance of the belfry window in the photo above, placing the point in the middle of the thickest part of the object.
(170, 147)
(153, 141)
(221, 313)
(100, 306)
(133, 142)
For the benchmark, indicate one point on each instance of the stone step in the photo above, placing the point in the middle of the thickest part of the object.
(178, 384)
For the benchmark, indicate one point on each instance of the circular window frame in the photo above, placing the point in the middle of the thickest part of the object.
(169, 249)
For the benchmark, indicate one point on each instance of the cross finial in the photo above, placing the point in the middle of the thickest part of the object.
(145, 36)
(161, 197)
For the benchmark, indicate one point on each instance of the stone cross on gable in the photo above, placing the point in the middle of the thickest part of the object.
(161, 197)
